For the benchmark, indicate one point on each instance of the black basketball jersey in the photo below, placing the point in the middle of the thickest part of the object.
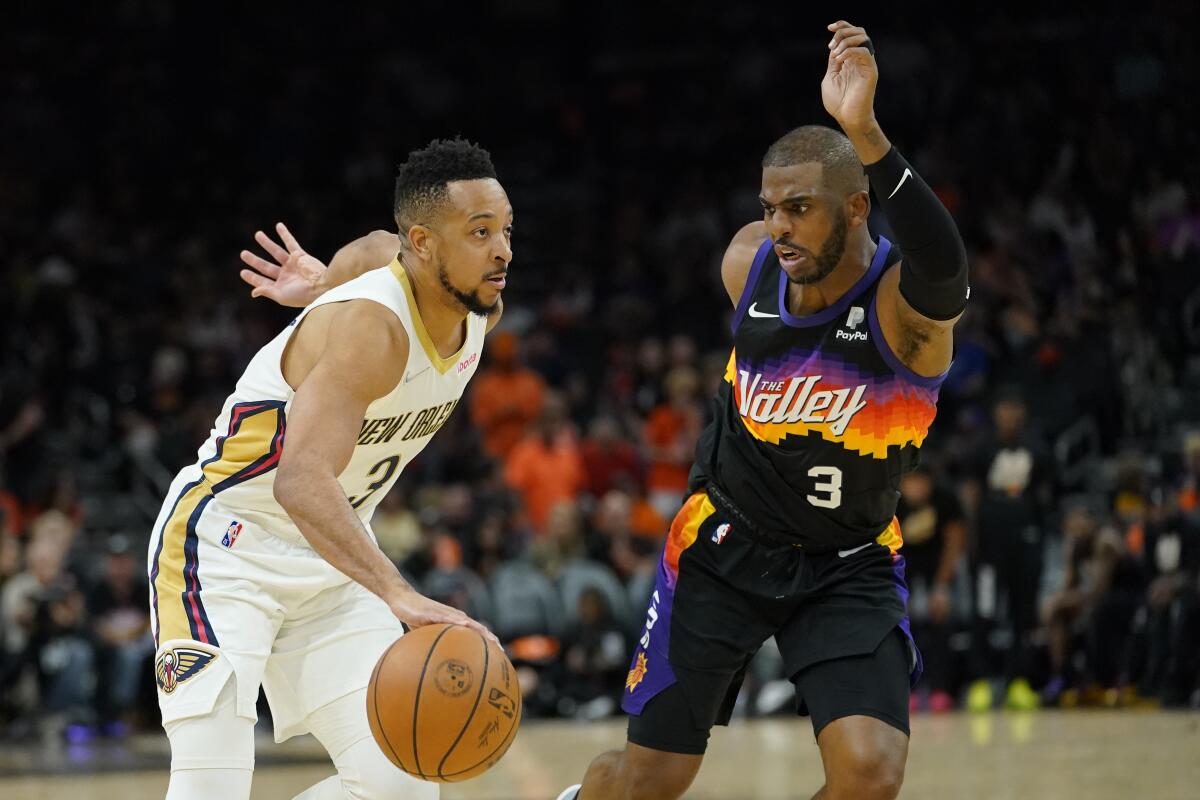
(817, 419)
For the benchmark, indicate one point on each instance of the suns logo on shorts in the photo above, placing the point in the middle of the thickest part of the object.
(176, 665)
(637, 674)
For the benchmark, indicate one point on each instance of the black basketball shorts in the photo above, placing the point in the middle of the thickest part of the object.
(720, 593)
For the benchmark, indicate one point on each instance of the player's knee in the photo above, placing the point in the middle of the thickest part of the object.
(656, 775)
(367, 774)
(867, 771)
(216, 740)
(659, 787)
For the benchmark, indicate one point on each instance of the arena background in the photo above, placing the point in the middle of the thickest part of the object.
(143, 143)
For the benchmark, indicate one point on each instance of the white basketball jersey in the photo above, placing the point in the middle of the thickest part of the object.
(238, 461)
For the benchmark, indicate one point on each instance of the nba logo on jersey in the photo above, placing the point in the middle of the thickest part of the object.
(720, 533)
(231, 533)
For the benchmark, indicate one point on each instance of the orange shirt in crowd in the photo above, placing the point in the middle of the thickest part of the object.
(545, 474)
(671, 433)
(503, 403)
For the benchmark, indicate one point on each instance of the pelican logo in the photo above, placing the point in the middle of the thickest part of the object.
(178, 664)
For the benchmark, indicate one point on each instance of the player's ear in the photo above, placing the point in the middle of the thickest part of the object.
(419, 239)
(858, 208)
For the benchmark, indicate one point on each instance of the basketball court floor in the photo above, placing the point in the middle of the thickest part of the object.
(1097, 755)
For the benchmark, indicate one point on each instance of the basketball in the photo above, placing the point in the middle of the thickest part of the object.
(443, 703)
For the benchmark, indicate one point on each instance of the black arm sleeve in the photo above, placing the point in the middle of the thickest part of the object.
(933, 273)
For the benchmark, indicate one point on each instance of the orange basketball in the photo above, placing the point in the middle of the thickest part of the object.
(443, 703)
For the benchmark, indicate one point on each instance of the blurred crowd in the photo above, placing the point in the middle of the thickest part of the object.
(1052, 533)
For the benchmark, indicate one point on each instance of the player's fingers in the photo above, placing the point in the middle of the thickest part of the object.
(271, 246)
(254, 279)
(260, 264)
(843, 32)
(484, 632)
(857, 40)
(860, 54)
(833, 26)
(290, 241)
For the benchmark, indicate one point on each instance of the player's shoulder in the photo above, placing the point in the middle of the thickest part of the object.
(357, 343)
(750, 235)
(355, 322)
(739, 257)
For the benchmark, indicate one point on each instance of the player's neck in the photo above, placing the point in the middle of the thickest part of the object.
(806, 299)
(442, 317)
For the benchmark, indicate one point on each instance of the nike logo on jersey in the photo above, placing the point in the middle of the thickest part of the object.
(907, 174)
(413, 376)
(793, 400)
(853, 550)
(754, 312)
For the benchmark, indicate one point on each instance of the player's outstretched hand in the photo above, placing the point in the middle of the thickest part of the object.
(415, 610)
(848, 89)
(292, 280)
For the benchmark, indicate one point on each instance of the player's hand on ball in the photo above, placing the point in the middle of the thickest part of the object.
(292, 280)
(415, 610)
(848, 89)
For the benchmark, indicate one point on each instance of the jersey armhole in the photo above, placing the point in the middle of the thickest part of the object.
(751, 286)
(885, 351)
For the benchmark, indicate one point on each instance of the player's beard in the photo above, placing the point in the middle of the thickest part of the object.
(470, 300)
(831, 252)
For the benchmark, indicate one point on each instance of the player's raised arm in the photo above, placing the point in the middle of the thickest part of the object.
(333, 390)
(918, 309)
(296, 278)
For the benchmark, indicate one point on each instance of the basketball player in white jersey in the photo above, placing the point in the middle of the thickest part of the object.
(263, 567)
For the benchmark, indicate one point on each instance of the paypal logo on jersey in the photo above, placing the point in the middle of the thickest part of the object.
(853, 320)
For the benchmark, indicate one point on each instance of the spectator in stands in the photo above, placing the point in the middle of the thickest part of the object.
(935, 534)
(396, 527)
(619, 542)
(1167, 645)
(44, 617)
(1015, 490)
(562, 540)
(1092, 610)
(117, 603)
(608, 457)
(506, 396)
(594, 658)
(545, 467)
(670, 438)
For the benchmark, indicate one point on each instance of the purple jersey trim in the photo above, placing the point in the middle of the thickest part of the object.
(885, 350)
(751, 284)
(835, 310)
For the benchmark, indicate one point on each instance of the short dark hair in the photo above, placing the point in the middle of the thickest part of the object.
(818, 144)
(421, 182)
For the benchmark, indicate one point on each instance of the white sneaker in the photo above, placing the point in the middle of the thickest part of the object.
(570, 793)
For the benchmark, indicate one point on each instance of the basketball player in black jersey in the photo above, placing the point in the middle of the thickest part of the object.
(840, 345)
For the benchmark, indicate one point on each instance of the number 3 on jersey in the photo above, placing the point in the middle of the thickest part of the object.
(829, 483)
(388, 468)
